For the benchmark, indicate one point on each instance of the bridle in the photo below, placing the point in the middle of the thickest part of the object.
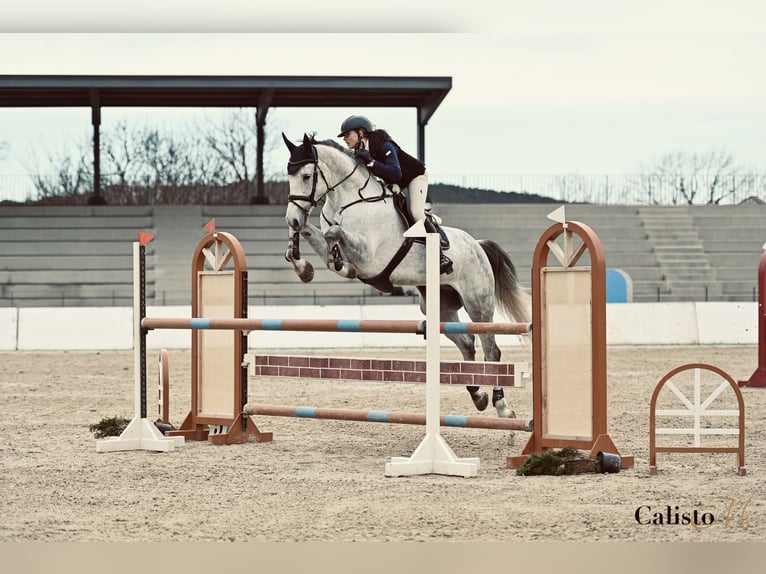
(312, 199)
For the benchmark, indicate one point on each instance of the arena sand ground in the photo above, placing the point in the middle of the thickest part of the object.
(324, 480)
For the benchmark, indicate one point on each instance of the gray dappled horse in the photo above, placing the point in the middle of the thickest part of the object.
(360, 236)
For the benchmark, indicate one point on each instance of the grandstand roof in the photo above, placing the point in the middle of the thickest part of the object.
(425, 94)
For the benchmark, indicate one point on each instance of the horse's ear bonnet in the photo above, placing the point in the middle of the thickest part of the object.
(300, 155)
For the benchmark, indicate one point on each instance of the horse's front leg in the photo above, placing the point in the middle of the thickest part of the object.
(315, 237)
(344, 249)
(303, 268)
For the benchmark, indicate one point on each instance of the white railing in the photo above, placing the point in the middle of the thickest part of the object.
(606, 189)
(17, 188)
(621, 189)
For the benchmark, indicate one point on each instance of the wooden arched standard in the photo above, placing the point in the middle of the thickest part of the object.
(219, 290)
(696, 409)
(569, 344)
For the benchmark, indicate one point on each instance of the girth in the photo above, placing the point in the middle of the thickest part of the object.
(382, 281)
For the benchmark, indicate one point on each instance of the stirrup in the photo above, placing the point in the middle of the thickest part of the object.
(445, 265)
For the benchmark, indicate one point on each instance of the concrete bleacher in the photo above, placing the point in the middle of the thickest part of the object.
(706, 253)
(262, 231)
(517, 229)
(70, 256)
(81, 256)
(263, 234)
(733, 240)
(678, 253)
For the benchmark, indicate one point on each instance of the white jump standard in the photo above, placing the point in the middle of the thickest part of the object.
(141, 433)
(433, 455)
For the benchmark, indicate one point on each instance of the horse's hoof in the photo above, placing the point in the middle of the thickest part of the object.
(503, 410)
(498, 401)
(305, 272)
(307, 277)
(481, 400)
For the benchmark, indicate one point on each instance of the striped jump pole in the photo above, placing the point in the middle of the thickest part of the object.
(372, 416)
(332, 325)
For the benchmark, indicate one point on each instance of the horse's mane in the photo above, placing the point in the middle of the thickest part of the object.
(336, 146)
(332, 143)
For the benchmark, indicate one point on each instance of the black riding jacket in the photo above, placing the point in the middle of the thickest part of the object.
(392, 164)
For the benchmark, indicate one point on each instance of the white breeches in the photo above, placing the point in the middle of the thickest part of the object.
(417, 191)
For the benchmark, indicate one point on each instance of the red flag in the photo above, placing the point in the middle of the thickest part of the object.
(210, 226)
(144, 238)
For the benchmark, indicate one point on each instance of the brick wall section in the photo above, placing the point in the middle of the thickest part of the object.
(390, 370)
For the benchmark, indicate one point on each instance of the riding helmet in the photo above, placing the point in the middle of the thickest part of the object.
(354, 123)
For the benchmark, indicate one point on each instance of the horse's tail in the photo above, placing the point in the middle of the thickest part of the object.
(510, 297)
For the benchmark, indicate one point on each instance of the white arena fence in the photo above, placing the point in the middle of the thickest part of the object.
(110, 328)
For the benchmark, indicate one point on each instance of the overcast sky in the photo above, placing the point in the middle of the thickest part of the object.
(586, 87)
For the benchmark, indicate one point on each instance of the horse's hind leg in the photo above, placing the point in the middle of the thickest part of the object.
(467, 345)
(492, 353)
(482, 311)
(450, 303)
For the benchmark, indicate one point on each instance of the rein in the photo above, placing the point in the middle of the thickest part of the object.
(383, 195)
(313, 201)
(311, 198)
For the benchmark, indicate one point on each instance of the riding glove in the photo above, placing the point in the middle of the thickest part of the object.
(364, 156)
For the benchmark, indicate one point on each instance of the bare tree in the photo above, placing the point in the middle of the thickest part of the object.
(142, 164)
(121, 153)
(691, 178)
(233, 138)
(67, 173)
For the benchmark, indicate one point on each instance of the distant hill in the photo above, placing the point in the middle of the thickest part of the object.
(275, 193)
(455, 194)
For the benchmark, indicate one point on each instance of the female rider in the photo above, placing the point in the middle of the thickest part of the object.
(386, 160)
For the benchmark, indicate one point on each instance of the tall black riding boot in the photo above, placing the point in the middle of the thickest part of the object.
(445, 263)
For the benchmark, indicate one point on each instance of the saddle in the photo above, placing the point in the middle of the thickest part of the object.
(430, 222)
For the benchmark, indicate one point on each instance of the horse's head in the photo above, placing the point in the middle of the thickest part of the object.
(303, 178)
(308, 184)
